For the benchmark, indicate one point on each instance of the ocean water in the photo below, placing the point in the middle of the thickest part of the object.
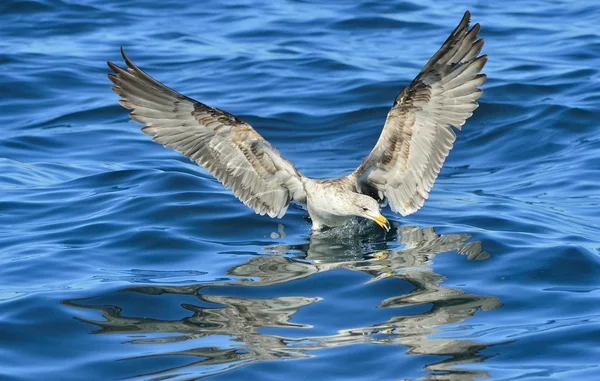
(120, 259)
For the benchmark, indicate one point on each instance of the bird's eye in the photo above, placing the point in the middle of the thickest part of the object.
(365, 209)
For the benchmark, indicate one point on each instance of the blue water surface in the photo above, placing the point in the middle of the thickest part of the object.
(120, 259)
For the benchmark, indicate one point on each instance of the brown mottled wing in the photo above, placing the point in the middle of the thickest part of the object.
(227, 147)
(417, 135)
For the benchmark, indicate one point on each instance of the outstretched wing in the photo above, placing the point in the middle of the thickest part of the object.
(227, 147)
(417, 135)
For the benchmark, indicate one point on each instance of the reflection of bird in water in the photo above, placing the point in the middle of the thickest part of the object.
(244, 319)
(401, 168)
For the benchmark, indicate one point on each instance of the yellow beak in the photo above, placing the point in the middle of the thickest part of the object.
(382, 222)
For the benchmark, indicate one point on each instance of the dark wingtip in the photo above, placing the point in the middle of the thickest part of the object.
(466, 20)
(480, 62)
(112, 66)
(116, 68)
(127, 60)
(484, 60)
(113, 78)
(462, 26)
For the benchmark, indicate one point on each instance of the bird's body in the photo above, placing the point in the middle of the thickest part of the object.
(327, 201)
(401, 168)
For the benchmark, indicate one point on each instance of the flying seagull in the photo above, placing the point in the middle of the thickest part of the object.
(400, 170)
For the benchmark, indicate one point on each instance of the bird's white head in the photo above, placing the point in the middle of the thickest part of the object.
(368, 207)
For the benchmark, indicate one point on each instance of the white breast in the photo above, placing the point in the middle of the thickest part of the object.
(325, 205)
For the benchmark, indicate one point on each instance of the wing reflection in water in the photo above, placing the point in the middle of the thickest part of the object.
(225, 332)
